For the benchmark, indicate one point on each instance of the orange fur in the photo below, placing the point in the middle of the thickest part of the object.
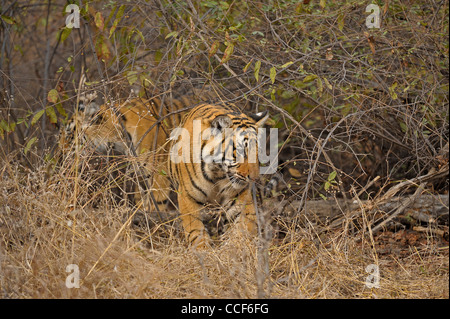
(198, 185)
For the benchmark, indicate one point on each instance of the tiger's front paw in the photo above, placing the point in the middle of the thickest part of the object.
(202, 242)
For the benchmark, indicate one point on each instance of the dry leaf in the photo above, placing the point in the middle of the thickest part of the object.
(294, 172)
(371, 41)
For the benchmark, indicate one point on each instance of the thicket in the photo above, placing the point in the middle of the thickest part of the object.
(362, 113)
(351, 102)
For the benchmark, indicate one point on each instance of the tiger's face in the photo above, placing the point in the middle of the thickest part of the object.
(240, 164)
(231, 152)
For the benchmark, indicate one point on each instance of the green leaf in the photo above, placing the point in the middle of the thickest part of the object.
(7, 127)
(323, 196)
(214, 48)
(327, 83)
(17, 47)
(52, 96)
(210, 4)
(224, 5)
(91, 83)
(102, 49)
(21, 120)
(227, 54)
(235, 27)
(8, 20)
(29, 144)
(258, 33)
(65, 33)
(172, 34)
(309, 78)
(99, 21)
(257, 67)
(403, 127)
(273, 74)
(117, 20)
(392, 92)
(341, 21)
(332, 176)
(327, 185)
(111, 14)
(50, 111)
(247, 66)
(132, 77)
(4, 125)
(319, 85)
(12, 127)
(61, 110)
(287, 64)
(139, 34)
(37, 116)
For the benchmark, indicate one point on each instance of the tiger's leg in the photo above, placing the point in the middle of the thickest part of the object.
(153, 190)
(194, 229)
(248, 218)
(160, 189)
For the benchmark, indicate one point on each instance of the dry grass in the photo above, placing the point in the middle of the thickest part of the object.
(41, 233)
(358, 102)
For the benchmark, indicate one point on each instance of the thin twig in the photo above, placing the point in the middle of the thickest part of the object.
(401, 208)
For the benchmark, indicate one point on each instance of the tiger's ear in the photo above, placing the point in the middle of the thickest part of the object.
(91, 109)
(260, 118)
(221, 122)
(80, 107)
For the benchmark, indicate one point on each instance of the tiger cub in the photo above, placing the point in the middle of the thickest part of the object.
(209, 152)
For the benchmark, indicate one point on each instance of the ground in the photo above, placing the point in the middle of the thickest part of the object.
(42, 233)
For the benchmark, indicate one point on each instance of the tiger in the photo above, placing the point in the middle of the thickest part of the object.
(145, 128)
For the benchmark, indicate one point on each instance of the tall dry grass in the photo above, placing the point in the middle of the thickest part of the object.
(42, 231)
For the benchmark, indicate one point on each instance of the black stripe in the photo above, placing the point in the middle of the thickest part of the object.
(199, 108)
(156, 107)
(205, 176)
(245, 125)
(195, 200)
(193, 239)
(233, 202)
(206, 113)
(185, 100)
(244, 189)
(192, 181)
(178, 178)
